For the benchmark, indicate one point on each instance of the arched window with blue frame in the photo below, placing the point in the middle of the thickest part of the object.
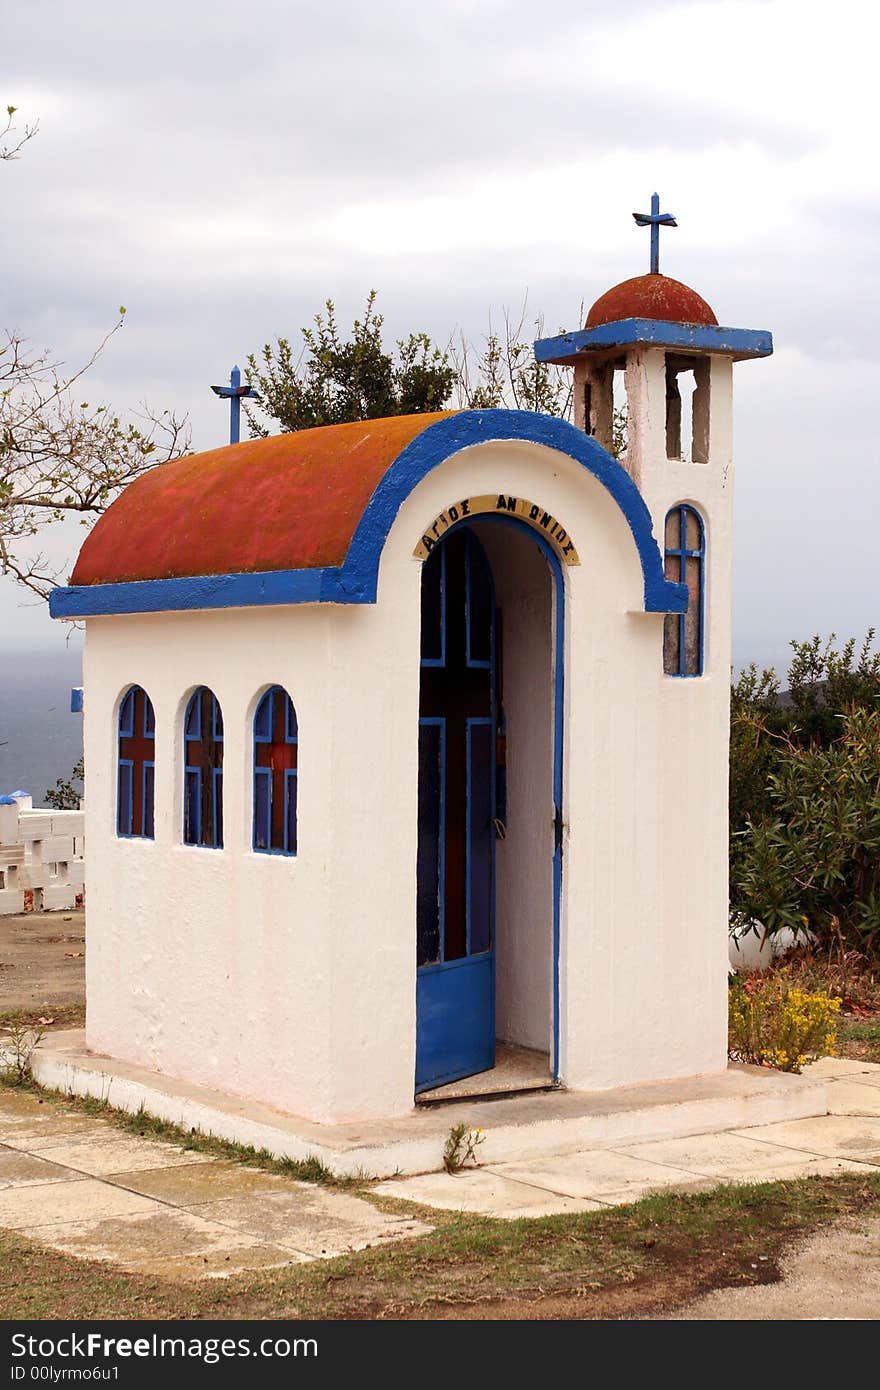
(203, 770)
(275, 773)
(685, 560)
(136, 766)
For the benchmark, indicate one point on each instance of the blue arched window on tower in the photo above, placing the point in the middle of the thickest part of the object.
(203, 770)
(136, 766)
(685, 560)
(275, 773)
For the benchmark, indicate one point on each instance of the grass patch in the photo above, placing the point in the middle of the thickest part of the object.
(859, 1030)
(147, 1126)
(859, 1039)
(649, 1256)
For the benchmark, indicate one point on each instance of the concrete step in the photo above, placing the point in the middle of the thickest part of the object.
(518, 1127)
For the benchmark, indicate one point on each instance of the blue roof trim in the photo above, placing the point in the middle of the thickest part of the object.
(357, 579)
(198, 591)
(738, 342)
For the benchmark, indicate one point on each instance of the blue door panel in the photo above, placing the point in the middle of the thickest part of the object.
(455, 1006)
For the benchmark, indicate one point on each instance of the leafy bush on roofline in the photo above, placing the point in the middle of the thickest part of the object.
(332, 377)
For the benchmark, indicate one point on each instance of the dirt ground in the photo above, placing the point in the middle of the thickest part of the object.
(42, 964)
(834, 1275)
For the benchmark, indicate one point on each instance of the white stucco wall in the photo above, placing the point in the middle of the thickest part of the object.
(293, 981)
(654, 790)
(206, 964)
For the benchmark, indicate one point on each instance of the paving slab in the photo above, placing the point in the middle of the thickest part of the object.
(22, 1170)
(156, 1207)
(859, 1078)
(149, 1241)
(734, 1158)
(113, 1151)
(853, 1097)
(197, 1183)
(484, 1193)
(831, 1136)
(40, 1132)
(310, 1219)
(831, 1067)
(605, 1175)
(15, 1103)
(51, 1204)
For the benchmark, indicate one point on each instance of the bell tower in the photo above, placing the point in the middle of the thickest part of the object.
(653, 384)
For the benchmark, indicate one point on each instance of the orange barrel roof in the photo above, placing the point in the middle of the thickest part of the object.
(292, 501)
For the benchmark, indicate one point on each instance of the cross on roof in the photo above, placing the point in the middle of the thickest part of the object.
(655, 219)
(234, 393)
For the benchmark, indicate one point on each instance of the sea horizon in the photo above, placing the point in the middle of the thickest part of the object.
(40, 739)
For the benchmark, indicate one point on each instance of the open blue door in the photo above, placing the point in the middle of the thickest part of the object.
(455, 901)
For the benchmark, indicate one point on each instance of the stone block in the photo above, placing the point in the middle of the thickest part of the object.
(34, 825)
(58, 895)
(33, 875)
(56, 849)
(11, 856)
(9, 824)
(11, 900)
(68, 823)
(76, 873)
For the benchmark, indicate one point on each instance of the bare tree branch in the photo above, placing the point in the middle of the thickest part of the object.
(503, 371)
(13, 149)
(61, 456)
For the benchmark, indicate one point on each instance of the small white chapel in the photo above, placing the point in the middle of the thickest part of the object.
(406, 740)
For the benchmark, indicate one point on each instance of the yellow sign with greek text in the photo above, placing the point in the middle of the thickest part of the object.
(500, 504)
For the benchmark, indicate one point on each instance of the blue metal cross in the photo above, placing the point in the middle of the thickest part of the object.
(655, 219)
(234, 393)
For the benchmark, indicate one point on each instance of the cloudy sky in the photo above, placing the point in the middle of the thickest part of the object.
(222, 168)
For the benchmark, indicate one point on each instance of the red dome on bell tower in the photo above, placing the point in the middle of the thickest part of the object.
(652, 296)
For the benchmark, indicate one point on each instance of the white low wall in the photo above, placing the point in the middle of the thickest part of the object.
(42, 857)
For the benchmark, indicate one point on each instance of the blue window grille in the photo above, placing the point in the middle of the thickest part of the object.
(136, 766)
(275, 773)
(685, 561)
(203, 771)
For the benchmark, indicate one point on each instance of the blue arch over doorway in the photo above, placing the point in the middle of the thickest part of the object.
(359, 574)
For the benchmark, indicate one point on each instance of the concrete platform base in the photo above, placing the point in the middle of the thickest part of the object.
(521, 1127)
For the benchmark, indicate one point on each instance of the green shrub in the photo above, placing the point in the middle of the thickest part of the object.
(772, 1023)
(815, 865)
(805, 796)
